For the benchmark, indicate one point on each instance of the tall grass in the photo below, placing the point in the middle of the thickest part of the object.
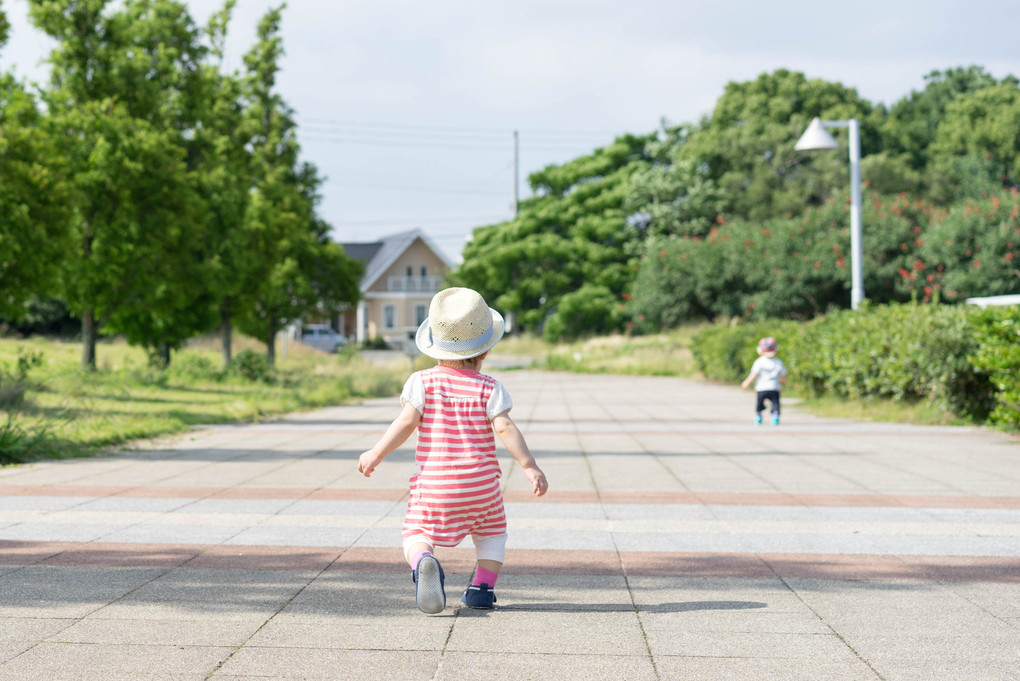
(663, 354)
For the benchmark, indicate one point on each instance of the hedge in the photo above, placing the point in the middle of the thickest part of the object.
(961, 359)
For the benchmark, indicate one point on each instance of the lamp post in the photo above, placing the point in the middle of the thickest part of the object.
(817, 137)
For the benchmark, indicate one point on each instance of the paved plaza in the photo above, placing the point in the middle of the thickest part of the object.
(678, 541)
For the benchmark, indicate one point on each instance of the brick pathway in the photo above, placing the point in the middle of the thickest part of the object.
(678, 541)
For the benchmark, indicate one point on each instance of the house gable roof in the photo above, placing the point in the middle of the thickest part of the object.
(379, 255)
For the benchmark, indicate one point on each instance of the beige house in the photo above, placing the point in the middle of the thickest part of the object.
(402, 273)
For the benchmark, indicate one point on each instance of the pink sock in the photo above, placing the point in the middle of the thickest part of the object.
(417, 557)
(483, 576)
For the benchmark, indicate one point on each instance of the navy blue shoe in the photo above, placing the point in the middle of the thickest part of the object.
(479, 596)
(429, 581)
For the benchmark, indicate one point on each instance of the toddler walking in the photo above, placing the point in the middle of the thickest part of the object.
(768, 374)
(455, 490)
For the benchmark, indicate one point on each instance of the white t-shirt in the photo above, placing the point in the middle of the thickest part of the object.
(414, 394)
(769, 369)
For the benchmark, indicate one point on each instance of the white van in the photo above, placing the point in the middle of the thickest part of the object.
(322, 337)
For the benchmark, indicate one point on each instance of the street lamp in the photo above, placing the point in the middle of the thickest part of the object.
(817, 137)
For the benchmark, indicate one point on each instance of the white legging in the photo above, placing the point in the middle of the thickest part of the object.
(486, 548)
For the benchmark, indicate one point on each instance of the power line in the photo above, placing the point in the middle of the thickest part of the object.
(422, 221)
(428, 190)
(425, 144)
(461, 130)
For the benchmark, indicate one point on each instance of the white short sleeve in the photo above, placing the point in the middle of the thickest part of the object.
(499, 401)
(414, 393)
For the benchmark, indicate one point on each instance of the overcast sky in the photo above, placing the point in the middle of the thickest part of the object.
(409, 107)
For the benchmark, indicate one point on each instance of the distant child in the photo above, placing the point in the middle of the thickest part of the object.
(768, 374)
(455, 490)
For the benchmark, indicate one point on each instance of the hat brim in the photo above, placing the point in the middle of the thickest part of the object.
(435, 352)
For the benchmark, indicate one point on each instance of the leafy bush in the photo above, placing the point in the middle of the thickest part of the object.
(901, 352)
(189, 366)
(375, 343)
(998, 355)
(254, 366)
(590, 310)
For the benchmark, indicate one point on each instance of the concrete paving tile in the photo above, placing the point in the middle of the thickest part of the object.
(316, 507)
(198, 632)
(119, 555)
(243, 557)
(457, 666)
(364, 595)
(254, 614)
(14, 629)
(920, 623)
(1002, 600)
(943, 670)
(301, 536)
(560, 593)
(414, 633)
(248, 506)
(179, 534)
(38, 583)
(57, 532)
(40, 503)
(134, 505)
(769, 669)
(731, 617)
(963, 647)
(63, 661)
(758, 645)
(11, 649)
(576, 633)
(331, 664)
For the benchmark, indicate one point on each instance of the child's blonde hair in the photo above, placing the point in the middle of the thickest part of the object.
(471, 363)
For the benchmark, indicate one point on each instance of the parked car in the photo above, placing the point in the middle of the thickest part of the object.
(322, 337)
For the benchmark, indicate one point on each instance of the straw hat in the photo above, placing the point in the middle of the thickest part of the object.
(459, 326)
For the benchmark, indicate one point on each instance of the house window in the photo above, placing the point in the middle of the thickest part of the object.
(390, 316)
(420, 312)
(410, 271)
(424, 272)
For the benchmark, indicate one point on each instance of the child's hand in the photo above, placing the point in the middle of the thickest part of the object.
(367, 463)
(539, 485)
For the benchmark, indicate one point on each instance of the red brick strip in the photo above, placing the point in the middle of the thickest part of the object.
(520, 496)
(521, 562)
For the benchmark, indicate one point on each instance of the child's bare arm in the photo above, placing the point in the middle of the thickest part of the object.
(395, 435)
(513, 440)
(749, 380)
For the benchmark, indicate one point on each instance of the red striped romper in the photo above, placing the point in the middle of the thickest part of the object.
(455, 488)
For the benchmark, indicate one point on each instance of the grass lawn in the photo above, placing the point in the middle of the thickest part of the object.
(51, 406)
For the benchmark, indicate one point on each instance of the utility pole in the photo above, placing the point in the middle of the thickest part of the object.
(516, 166)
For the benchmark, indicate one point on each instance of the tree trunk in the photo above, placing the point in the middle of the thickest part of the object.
(225, 332)
(88, 339)
(164, 355)
(271, 346)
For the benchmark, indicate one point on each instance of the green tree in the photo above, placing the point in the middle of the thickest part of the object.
(746, 146)
(122, 94)
(289, 268)
(673, 195)
(34, 220)
(573, 232)
(984, 125)
(225, 176)
(913, 121)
